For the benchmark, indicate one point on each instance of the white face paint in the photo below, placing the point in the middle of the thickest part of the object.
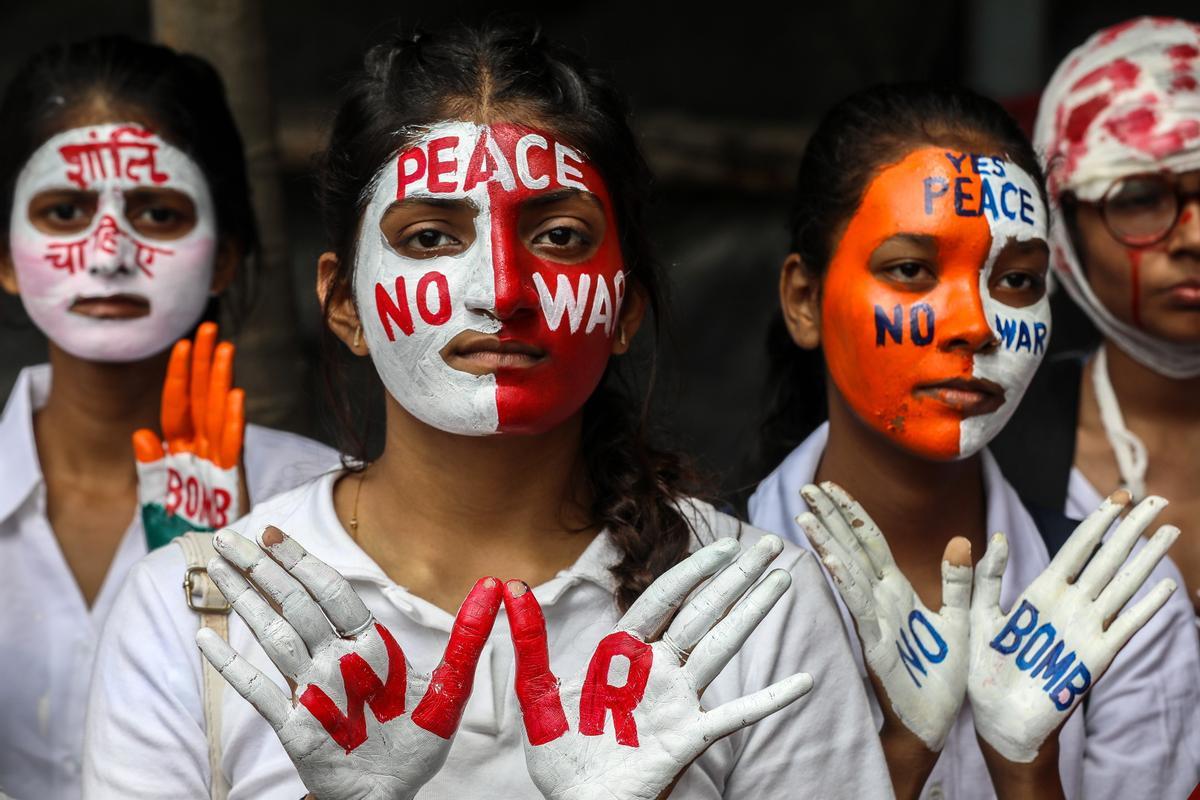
(497, 284)
(1023, 332)
(415, 373)
(109, 258)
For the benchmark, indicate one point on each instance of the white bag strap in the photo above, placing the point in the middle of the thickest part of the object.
(206, 599)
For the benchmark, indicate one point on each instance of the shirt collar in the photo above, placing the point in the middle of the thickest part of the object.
(18, 450)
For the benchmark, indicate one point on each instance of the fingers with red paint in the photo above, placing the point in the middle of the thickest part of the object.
(637, 719)
(535, 684)
(364, 724)
(441, 709)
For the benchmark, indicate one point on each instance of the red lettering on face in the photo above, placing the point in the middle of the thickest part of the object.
(436, 281)
(600, 697)
(535, 399)
(386, 699)
(410, 168)
(127, 153)
(393, 311)
(439, 166)
(878, 369)
(478, 169)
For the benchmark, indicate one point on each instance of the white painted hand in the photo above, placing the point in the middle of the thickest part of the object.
(919, 657)
(1030, 667)
(327, 643)
(646, 681)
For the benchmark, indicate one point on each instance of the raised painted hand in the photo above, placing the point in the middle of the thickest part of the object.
(919, 657)
(1031, 666)
(342, 662)
(191, 481)
(632, 724)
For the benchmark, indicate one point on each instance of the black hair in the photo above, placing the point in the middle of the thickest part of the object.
(865, 131)
(180, 94)
(496, 72)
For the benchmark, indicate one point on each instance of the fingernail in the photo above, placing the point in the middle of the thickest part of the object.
(517, 588)
(1120, 497)
(271, 536)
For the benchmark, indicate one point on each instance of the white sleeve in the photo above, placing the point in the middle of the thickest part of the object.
(144, 735)
(1143, 716)
(825, 744)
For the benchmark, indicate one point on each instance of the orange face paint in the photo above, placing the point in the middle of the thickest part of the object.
(916, 359)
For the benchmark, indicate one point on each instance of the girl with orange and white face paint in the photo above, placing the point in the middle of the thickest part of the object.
(1119, 131)
(918, 267)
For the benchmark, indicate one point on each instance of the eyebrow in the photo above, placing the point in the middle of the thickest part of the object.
(558, 195)
(919, 239)
(1036, 244)
(436, 202)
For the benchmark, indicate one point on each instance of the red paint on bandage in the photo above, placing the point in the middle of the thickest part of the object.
(386, 700)
(441, 709)
(536, 686)
(600, 696)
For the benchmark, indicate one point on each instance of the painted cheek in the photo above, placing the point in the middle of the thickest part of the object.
(881, 342)
(573, 306)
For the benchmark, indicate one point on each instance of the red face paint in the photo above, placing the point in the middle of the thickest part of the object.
(503, 284)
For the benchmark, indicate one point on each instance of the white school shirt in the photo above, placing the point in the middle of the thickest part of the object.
(48, 635)
(1139, 733)
(145, 727)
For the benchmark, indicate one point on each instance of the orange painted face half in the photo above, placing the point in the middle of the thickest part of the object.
(934, 314)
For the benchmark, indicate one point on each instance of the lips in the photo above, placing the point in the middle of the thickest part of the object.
(971, 397)
(116, 306)
(1185, 294)
(484, 354)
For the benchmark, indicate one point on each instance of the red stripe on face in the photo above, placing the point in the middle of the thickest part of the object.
(531, 286)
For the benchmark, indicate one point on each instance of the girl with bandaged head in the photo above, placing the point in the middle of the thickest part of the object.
(918, 267)
(126, 220)
(1118, 130)
(484, 196)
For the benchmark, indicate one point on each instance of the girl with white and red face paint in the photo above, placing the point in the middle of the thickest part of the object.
(126, 212)
(484, 193)
(1119, 130)
(919, 263)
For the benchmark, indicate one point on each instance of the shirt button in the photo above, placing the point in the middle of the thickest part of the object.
(936, 793)
(70, 766)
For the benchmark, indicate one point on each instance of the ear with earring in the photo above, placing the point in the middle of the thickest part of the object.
(357, 338)
(621, 335)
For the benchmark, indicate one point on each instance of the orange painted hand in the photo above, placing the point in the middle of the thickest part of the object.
(191, 481)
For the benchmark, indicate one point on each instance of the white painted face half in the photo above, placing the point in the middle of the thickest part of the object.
(1024, 332)
(449, 294)
(58, 274)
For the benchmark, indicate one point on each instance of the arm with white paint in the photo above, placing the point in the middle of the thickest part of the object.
(192, 480)
(630, 736)
(917, 657)
(361, 725)
(1030, 667)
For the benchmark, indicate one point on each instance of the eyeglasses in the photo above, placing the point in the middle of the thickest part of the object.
(1140, 210)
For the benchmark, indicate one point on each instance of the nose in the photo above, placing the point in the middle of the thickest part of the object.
(515, 293)
(108, 252)
(966, 328)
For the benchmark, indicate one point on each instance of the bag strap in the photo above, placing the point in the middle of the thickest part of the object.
(206, 599)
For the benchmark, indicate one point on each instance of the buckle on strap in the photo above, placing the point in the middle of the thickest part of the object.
(189, 591)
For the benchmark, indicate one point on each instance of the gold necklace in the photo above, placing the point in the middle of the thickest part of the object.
(362, 476)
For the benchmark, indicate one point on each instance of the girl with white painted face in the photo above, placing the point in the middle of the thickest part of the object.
(1119, 131)
(918, 268)
(484, 198)
(125, 213)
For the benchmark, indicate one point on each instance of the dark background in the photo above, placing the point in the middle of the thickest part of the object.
(722, 102)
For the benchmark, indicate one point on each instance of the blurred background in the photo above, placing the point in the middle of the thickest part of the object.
(722, 103)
